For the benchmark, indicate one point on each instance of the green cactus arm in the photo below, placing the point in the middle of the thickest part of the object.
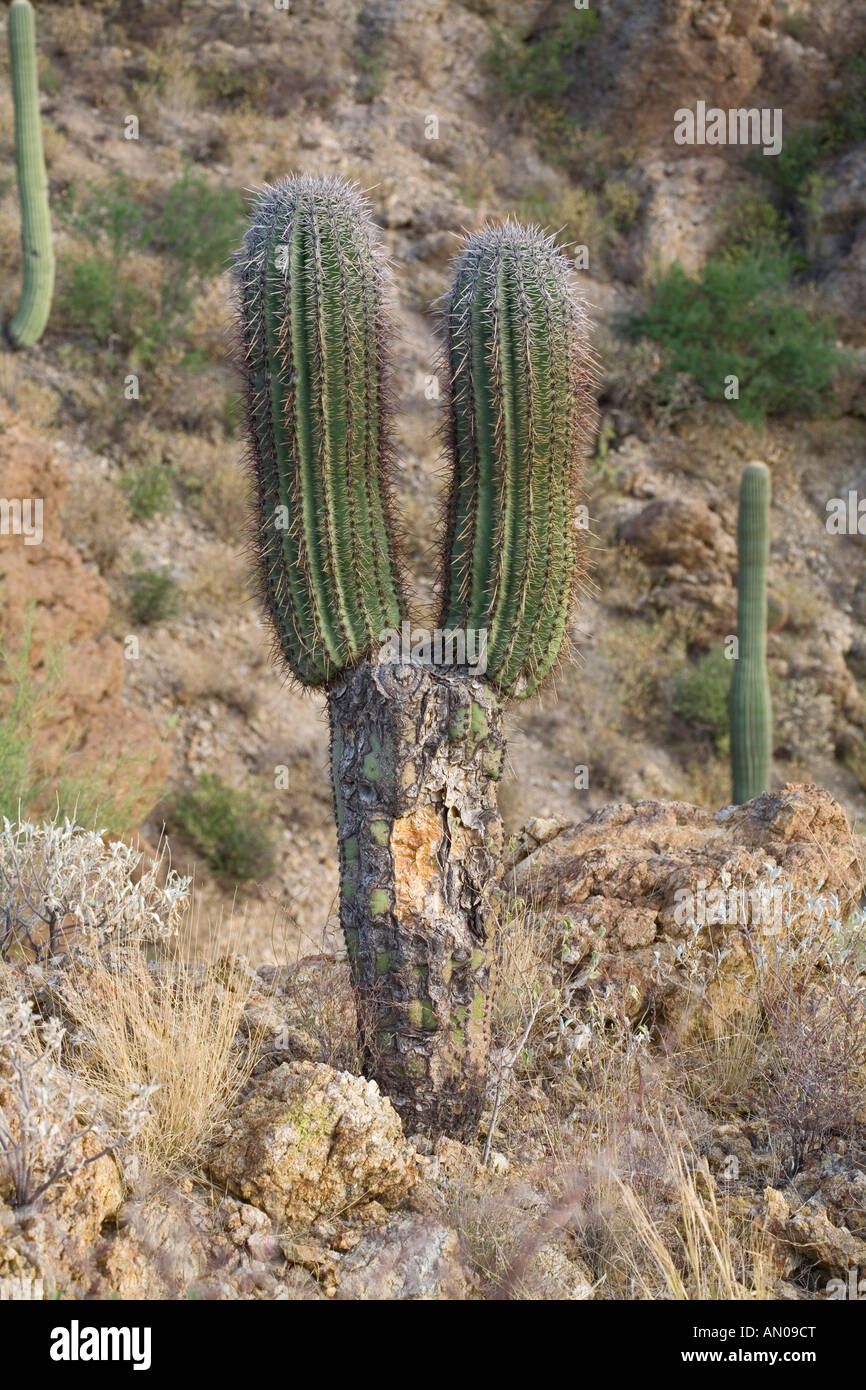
(520, 406)
(28, 322)
(749, 699)
(312, 281)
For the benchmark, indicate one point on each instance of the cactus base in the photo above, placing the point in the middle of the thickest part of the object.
(416, 754)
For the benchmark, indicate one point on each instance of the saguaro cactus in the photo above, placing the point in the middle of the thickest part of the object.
(749, 699)
(416, 745)
(28, 322)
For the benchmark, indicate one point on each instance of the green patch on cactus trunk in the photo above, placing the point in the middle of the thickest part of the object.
(380, 901)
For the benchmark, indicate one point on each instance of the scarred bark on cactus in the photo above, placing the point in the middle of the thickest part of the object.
(520, 374)
(749, 700)
(416, 754)
(28, 322)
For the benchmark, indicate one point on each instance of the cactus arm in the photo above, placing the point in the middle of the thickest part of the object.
(28, 322)
(519, 400)
(749, 699)
(315, 366)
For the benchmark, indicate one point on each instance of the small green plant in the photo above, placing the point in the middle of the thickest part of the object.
(701, 696)
(621, 202)
(152, 595)
(28, 322)
(741, 319)
(750, 228)
(230, 827)
(27, 704)
(148, 491)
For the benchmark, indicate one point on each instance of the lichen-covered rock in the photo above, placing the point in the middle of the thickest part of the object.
(307, 1141)
(408, 1259)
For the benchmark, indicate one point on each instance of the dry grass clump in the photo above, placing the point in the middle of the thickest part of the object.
(176, 1029)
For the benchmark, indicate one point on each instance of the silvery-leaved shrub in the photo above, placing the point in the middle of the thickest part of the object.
(64, 888)
(43, 1126)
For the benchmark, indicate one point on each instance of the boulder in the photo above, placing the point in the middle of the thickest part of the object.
(408, 1258)
(306, 1141)
(628, 882)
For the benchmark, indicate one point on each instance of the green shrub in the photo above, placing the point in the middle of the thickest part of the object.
(621, 204)
(227, 826)
(701, 696)
(192, 232)
(90, 295)
(107, 793)
(110, 213)
(148, 491)
(28, 701)
(740, 318)
(197, 226)
(153, 595)
(752, 227)
(537, 71)
(576, 213)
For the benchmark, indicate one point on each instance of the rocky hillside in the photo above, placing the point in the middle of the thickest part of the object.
(449, 113)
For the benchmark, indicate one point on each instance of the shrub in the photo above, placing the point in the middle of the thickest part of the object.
(27, 703)
(227, 826)
(621, 203)
(812, 993)
(153, 595)
(701, 695)
(147, 489)
(740, 319)
(193, 231)
(41, 1138)
(538, 70)
(197, 227)
(62, 887)
(576, 213)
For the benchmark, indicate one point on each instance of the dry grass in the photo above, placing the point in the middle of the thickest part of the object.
(685, 1241)
(177, 1030)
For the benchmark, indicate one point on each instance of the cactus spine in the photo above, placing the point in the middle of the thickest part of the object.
(28, 322)
(311, 277)
(749, 700)
(520, 376)
(416, 747)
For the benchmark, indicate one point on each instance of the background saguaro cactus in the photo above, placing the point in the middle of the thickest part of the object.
(416, 747)
(749, 698)
(28, 322)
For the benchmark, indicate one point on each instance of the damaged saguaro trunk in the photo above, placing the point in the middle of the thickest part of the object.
(417, 746)
(416, 754)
